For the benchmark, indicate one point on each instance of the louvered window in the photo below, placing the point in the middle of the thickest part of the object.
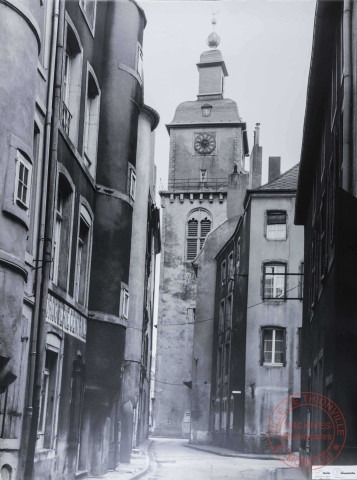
(198, 227)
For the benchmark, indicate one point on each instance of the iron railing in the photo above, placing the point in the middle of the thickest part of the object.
(184, 184)
(66, 118)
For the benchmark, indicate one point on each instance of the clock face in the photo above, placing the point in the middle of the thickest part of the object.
(205, 143)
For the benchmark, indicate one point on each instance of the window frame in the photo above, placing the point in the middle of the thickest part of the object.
(223, 272)
(91, 130)
(85, 216)
(21, 159)
(83, 7)
(140, 62)
(198, 215)
(270, 232)
(124, 301)
(265, 274)
(274, 329)
(132, 184)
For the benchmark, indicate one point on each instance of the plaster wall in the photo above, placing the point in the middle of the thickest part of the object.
(210, 80)
(270, 384)
(177, 298)
(186, 163)
(204, 331)
(18, 75)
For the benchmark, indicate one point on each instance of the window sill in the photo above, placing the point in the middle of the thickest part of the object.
(273, 365)
(44, 454)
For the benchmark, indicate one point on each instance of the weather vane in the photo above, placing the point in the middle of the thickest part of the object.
(213, 39)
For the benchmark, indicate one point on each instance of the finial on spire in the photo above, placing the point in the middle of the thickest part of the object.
(213, 39)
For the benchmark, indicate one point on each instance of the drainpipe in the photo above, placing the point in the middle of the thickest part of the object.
(38, 334)
(347, 179)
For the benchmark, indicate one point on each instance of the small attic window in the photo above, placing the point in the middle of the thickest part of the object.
(206, 110)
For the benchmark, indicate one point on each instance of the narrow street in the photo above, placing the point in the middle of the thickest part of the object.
(172, 460)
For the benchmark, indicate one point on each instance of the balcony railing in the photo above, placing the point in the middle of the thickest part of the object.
(183, 184)
(66, 118)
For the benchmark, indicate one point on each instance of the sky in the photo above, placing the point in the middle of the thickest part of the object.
(266, 45)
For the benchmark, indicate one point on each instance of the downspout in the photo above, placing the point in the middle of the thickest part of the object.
(347, 178)
(38, 334)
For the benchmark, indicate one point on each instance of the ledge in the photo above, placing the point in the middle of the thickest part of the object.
(107, 318)
(13, 263)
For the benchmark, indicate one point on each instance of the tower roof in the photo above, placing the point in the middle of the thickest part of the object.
(223, 111)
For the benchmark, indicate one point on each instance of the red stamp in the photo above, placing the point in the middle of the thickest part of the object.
(311, 424)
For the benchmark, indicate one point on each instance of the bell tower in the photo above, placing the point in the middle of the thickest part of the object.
(208, 142)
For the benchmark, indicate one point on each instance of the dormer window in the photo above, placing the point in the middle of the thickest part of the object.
(206, 110)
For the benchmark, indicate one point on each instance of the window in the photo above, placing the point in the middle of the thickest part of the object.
(203, 175)
(301, 281)
(230, 266)
(72, 74)
(224, 414)
(46, 30)
(226, 359)
(238, 255)
(229, 311)
(77, 394)
(274, 281)
(273, 346)
(88, 8)
(206, 110)
(231, 413)
(198, 227)
(91, 122)
(49, 395)
(219, 364)
(140, 63)
(124, 303)
(276, 225)
(132, 187)
(23, 181)
(221, 317)
(223, 272)
(62, 232)
(299, 349)
(83, 256)
(57, 235)
(217, 413)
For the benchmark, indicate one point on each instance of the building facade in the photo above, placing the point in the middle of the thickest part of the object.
(246, 336)
(69, 216)
(207, 137)
(326, 206)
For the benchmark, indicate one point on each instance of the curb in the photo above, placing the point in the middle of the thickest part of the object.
(233, 454)
(145, 470)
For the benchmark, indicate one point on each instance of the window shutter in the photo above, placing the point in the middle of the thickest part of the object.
(205, 227)
(275, 218)
(284, 347)
(261, 346)
(191, 248)
(192, 228)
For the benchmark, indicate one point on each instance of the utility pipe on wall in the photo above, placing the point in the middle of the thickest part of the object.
(347, 162)
(38, 334)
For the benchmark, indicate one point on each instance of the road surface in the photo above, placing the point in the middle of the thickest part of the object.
(171, 460)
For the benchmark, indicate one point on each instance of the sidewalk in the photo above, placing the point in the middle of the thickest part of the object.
(138, 467)
(226, 452)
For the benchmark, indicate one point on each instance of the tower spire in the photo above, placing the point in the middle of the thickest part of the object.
(213, 39)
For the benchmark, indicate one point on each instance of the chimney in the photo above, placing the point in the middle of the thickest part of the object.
(274, 168)
(256, 156)
(237, 186)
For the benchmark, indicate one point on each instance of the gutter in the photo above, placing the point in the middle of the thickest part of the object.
(347, 161)
(38, 334)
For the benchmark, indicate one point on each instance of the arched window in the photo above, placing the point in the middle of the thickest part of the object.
(91, 122)
(72, 76)
(62, 232)
(199, 225)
